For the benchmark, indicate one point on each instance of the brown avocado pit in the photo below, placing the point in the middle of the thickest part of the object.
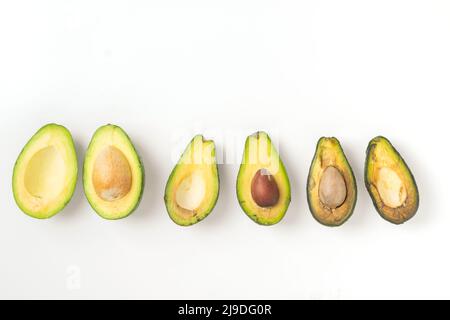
(332, 188)
(264, 189)
(112, 177)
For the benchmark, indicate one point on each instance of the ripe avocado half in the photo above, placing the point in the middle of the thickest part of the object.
(45, 174)
(390, 182)
(113, 175)
(263, 187)
(331, 188)
(192, 189)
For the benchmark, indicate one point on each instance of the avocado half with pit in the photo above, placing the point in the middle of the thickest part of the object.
(331, 188)
(113, 174)
(192, 189)
(45, 173)
(263, 187)
(390, 182)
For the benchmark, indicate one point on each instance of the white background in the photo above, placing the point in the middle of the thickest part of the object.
(169, 69)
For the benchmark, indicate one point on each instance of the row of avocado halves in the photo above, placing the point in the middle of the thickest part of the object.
(45, 176)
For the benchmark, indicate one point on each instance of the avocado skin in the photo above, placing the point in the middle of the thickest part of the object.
(287, 201)
(370, 146)
(141, 168)
(197, 219)
(258, 221)
(174, 172)
(311, 208)
(73, 186)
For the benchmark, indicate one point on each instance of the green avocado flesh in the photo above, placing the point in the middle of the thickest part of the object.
(45, 173)
(192, 189)
(390, 182)
(331, 188)
(113, 174)
(263, 187)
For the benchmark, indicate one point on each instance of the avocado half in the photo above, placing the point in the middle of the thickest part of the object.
(113, 174)
(331, 187)
(192, 189)
(45, 173)
(390, 182)
(263, 187)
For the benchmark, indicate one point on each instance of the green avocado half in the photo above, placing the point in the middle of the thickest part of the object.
(113, 174)
(263, 187)
(192, 189)
(331, 188)
(390, 182)
(45, 173)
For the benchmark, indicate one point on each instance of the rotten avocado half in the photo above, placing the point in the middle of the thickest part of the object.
(45, 174)
(192, 189)
(113, 174)
(390, 182)
(263, 187)
(331, 188)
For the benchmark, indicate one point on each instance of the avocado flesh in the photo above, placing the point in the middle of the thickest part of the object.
(260, 155)
(192, 189)
(330, 156)
(390, 182)
(113, 175)
(45, 173)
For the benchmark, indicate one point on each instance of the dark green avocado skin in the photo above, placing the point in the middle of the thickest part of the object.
(312, 209)
(370, 146)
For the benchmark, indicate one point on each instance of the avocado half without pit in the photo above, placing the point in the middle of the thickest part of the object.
(390, 182)
(331, 188)
(45, 173)
(192, 189)
(113, 174)
(263, 187)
